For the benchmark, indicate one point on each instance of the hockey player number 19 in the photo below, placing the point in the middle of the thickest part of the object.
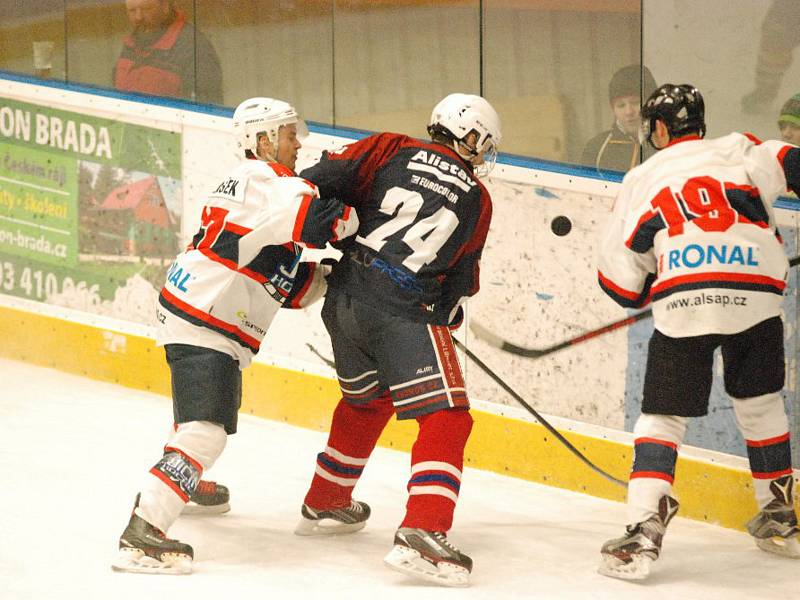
(702, 200)
(425, 237)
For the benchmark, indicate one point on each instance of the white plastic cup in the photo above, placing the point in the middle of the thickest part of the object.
(43, 57)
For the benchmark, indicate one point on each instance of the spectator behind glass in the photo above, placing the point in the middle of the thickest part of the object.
(789, 120)
(780, 35)
(618, 148)
(158, 56)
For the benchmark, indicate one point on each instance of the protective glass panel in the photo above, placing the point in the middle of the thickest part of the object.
(275, 48)
(395, 59)
(32, 37)
(745, 66)
(548, 67)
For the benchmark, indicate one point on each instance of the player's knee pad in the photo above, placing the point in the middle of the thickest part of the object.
(761, 417)
(668, 428)
(201, 441)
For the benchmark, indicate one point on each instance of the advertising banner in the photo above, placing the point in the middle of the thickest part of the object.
(90, 209)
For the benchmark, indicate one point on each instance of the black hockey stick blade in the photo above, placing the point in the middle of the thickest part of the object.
(537, 416)
(496, 341)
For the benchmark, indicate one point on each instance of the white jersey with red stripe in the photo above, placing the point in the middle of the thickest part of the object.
(693, 230)
(243, 265)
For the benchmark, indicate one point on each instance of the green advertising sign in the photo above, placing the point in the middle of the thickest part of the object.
(130, 147)
(38, 208)
(88, 206)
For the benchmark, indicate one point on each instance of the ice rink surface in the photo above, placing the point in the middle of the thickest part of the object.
(74, 452)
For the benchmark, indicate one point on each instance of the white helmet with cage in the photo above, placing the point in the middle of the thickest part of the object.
(263, 116)
(458, 115)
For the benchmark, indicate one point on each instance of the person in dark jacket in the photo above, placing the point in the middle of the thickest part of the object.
(618, 148)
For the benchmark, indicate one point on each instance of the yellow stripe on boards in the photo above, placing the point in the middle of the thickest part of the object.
(707, 492)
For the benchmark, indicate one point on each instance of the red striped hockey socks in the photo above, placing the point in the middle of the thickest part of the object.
(354, 432)
(437, 459)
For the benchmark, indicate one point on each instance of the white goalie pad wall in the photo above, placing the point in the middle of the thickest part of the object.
(116, 185)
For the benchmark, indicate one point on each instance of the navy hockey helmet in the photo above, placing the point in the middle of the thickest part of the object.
(679, 107)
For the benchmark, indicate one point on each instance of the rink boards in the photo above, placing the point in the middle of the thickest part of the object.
(77, 300)
(712, 487)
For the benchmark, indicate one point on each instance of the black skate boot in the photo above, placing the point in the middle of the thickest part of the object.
(144, 548)
(630, 556)
(775, 527)
(209, 498)
(333, 520)
(430, 556)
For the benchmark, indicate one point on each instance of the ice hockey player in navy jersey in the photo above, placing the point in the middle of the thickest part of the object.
(216, 306)
(693, 231)
(392, 297)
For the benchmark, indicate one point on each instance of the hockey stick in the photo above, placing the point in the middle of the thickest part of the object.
(519, 399)
(496, 341)
(327, 361)
(538, 417)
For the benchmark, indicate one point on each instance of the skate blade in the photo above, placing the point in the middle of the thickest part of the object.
(788, 547)
(200, 509)
(136, 561)
(410, 562)
(309, 527)
(636, 569)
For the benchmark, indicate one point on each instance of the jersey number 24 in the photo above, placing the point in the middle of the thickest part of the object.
(425, 236)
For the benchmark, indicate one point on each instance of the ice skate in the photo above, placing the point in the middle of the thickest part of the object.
(209, 498)
(630, 556)
(144, 548)
(333, 521)
(775, 528)
(430, 556)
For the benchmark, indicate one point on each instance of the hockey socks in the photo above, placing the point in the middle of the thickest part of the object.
(354, 432)
(655, 455)
(437, 459)
(765, 428)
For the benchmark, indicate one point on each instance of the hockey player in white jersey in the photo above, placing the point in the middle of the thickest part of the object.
(216, 306)
(693, 231)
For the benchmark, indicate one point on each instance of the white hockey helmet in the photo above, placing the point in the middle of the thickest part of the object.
(458, 115)
(263, 116)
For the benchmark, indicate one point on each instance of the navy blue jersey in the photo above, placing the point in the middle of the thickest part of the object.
(423, 219)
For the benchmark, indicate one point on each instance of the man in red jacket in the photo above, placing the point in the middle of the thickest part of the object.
(163, 53)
